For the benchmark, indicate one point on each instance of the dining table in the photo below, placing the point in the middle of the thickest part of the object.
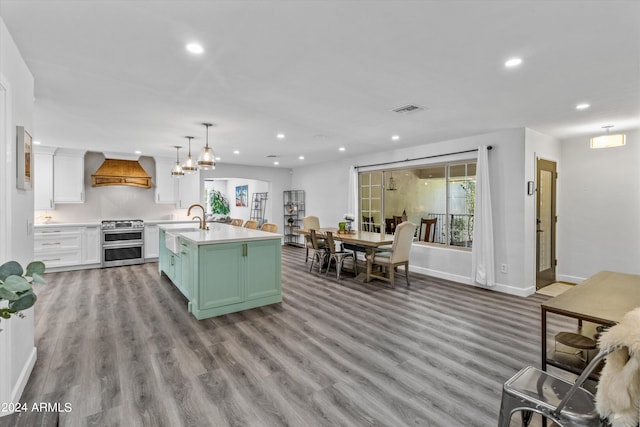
(365, 239)
(603, 299)
(355, 240)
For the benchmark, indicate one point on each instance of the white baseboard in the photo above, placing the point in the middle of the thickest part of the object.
(511, 290)
(569, 279)
(16, 393)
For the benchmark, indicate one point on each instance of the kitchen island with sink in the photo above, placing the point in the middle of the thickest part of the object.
(222, 270)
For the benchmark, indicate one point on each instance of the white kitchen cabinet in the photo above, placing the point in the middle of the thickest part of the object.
(58, 247)
(189, 190)
(43, 179)
(151, 241)
(91, 245)
(68, 176)
(165, 185)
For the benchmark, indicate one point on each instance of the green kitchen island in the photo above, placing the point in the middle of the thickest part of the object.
(224, 269)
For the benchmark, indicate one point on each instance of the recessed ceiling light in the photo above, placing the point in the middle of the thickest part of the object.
(280, 136)
(36, 142)
(236, 152)
(513, 62)
(301, 158)
(276, 163)
(341, 148)
(218, 158)
(195, 48)
(395, 137)
(582, 106)
(138, 152)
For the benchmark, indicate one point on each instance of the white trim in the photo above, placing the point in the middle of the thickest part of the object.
(569, 279)
(499, 287)
(6, 166)
(21, 383)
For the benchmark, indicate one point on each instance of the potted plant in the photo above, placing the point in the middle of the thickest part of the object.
(219, 203)
(15, 287)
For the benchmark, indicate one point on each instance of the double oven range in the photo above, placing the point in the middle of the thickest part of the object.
(122, 242)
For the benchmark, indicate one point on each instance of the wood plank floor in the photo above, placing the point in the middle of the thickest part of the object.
(120, 347)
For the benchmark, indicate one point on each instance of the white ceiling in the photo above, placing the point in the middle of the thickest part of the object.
(115, 76)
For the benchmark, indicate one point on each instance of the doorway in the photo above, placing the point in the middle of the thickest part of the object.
(546, 223)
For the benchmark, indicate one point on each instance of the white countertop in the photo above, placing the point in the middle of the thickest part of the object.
(97, 223)
(218, 233)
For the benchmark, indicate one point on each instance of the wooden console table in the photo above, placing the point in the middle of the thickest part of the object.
(602, 299)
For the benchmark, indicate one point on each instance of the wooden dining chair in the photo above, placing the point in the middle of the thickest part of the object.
(390, 225)
(311, 222)
(397, 255)
(251, 224)
(430, 229)
(269, 227)
(237, 222)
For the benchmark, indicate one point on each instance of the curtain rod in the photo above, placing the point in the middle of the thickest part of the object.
(420, 158)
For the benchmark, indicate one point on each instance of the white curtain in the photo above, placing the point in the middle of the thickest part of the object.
(352, 195)
(482, 262)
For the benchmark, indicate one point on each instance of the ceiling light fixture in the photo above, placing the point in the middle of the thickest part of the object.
(276, 163)
(195, 48)
(608, 140)
(189, 166)
(301, 158)
(280, 136)
(583, 106)
(138, 152)
(341, 149)
(36, 142)
(206, 158)
(395, 137)
(513, 62)
(236, 152)
(176, 170)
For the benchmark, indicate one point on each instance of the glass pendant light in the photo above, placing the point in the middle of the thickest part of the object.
(176, 170)
(189, 166)
(206, 160)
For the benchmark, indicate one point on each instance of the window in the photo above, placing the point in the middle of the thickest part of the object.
(444, 192)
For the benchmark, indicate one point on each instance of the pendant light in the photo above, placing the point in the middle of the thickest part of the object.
(608, 140)
(176, 170)
(392, 183)
(189, 166)
(206, 160)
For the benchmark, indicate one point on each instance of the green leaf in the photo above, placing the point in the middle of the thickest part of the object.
(17, 284)
(7, 294)
(37, 278)
(24, 301)
(10, 268)
(35, 267)
(6, 313)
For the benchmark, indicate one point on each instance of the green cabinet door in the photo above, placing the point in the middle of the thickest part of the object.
(187, 260)
(221, 275)
(263, 259)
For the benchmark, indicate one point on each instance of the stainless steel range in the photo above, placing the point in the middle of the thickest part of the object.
(122, 242)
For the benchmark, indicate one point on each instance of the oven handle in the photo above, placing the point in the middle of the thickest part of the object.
(123, 230)
(128, 244)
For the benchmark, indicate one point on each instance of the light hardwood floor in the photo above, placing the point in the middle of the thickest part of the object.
(119, 345)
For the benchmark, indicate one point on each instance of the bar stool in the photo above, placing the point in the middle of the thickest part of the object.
(580, 342)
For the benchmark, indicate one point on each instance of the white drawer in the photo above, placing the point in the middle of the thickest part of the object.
(58, 258)
(54, 240)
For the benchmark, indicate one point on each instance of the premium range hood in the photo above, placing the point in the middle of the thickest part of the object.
(119, 171)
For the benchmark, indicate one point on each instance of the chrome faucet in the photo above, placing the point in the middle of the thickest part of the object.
(203, 222)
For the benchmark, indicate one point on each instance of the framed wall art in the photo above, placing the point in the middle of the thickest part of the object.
(24, 159)
(242, 195)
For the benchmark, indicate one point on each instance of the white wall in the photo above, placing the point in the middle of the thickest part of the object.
(254, 186)
(599, 208)
(17, 350)
(273, 180)
(326, 187)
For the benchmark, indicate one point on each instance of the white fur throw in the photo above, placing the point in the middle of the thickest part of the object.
(618, 395)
